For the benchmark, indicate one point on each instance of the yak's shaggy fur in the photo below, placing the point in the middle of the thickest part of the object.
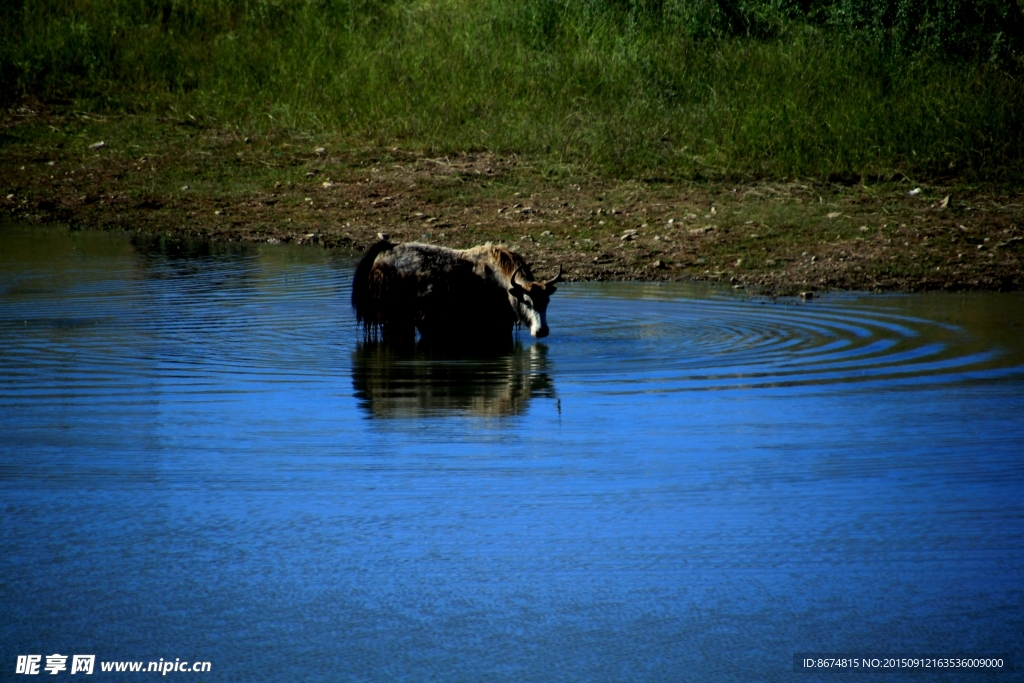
(454, 297)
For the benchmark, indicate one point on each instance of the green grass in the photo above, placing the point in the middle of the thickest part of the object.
(624, 88)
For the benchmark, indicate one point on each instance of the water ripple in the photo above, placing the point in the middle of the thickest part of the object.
(95, 330)
(715, 343)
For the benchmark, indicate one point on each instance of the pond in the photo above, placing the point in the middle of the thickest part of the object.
(199, 461)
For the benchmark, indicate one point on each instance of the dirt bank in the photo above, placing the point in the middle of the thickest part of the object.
(188, 179)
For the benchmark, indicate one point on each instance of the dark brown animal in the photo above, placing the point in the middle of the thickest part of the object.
(454, 297)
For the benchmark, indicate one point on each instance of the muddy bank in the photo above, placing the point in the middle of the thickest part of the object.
(184, 179)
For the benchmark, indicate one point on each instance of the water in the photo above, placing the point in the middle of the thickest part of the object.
(198, 461)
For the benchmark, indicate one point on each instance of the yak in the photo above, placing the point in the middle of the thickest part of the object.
(469, 298)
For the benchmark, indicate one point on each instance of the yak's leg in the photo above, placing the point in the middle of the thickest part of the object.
(399, 332)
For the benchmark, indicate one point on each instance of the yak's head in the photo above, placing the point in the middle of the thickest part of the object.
(530, 301)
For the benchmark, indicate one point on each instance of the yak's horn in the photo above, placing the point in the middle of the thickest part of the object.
(556, 278)
(515, 286)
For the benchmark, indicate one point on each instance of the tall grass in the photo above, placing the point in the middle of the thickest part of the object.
(650, 88)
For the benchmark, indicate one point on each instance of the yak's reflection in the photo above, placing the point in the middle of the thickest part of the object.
(417, 383)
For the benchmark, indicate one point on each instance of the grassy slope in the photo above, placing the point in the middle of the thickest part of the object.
(613, 87)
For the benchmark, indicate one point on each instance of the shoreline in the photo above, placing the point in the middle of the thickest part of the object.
(769, 237)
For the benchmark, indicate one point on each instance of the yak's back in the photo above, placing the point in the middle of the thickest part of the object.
(423, 261)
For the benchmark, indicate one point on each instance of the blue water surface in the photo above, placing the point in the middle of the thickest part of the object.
(199, 460)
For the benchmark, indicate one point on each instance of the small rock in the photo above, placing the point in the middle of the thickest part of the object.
(659, 264)
(806, 295)
(310, 174)
(327, 184)
(218, 212)
(546, 233)
(98, 145)
(863, 228)
(10, 197)
(713, 211)
(913, 193)
(273, 240)
(944, 203)
(834, 214)
(383, 236)
(248, 140)
(526, 209)
(184, 188)
(319, 151)
(308, 199)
